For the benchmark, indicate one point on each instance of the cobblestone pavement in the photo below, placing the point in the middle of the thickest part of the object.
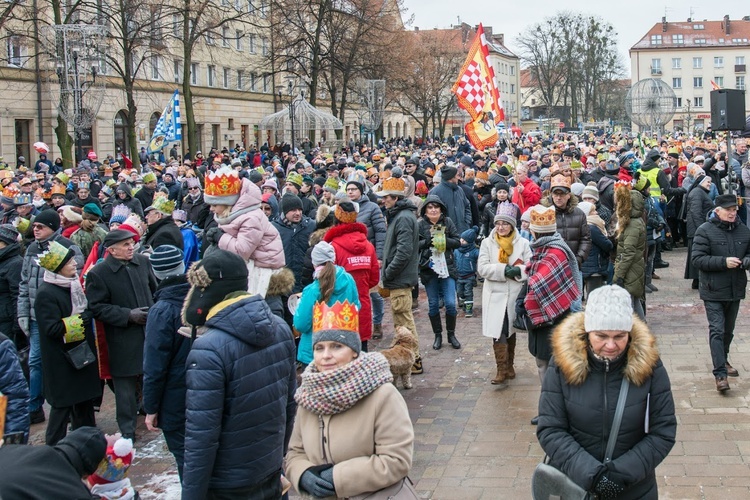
(474, 440)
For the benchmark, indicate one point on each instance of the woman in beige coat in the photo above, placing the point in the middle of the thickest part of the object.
(502, 261)
(352, 434)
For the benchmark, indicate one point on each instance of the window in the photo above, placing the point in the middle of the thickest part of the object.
(698, 82)
(697, 62)
(253, 82)
(676, 63)
(676, 83)
(16, 51)
(250, 6)
(225, 36)
(226, 78)
(238, 39)
(263, 8)
(678, 102)
(700, 41)
(176, 26)
(240, 77)
(194, 74)
(512, 87)
(656, 66)
(718, 62)
(155, 68)
(698, 102)
(251, 43)
(678, 39)
(719, 80)
(512, 71)
(211, 74)
(655, 39)
(698, 27)
(739, 60)
(266, 83)
(177, 71)
(209, 38)
(739, 82)
(264, 49)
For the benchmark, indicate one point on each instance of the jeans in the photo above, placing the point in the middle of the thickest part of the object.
(377, 308)
(434, 288)
(465, 288)
(36, 399)
(721, 318)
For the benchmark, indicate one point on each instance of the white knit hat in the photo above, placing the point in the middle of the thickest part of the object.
(609, 308)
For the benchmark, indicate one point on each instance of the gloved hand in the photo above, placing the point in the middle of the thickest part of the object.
(138, 316)
(745, 263)
(609, 485)
(213, 235)
(512, 272)
(24, 324)
(314, 484)
(620, 282)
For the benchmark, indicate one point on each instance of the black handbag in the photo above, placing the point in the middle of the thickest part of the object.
(548, 482)
(80, 356)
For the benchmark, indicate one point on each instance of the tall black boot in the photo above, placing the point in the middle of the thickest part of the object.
(437, 329)
(450, 326)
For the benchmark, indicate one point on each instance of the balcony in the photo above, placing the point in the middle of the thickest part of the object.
(656, 71)
(739, 68)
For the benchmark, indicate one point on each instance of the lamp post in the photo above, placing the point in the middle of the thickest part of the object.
(290, 91)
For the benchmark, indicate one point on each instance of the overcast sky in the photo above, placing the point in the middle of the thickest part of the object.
(631, 19)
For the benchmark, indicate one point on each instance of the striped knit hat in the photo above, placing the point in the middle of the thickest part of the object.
(166, 261)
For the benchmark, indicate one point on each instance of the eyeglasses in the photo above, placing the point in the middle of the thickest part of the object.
(193, 189)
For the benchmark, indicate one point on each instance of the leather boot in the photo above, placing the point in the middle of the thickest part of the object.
(377, 332)
(437, 329)
(450, 327)
(501, 359)
(510, 373)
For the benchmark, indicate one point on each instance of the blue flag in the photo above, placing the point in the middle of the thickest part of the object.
(168, 128)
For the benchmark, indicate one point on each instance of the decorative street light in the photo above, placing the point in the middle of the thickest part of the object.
(293, 100)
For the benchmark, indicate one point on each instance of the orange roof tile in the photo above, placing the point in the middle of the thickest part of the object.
(697, 34)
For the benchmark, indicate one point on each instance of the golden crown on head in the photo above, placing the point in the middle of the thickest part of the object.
(53, 256)
(394, 184)
(340, 316)
(11, 191)
(543, 218)
(223, 182)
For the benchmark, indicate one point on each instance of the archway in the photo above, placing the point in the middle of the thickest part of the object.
(122, 144)
(152, 122)
(398, 130)
(390, 130)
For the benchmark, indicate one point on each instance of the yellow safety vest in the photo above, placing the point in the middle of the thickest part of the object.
(651, 175)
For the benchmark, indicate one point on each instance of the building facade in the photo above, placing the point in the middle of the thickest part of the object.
(691, 57)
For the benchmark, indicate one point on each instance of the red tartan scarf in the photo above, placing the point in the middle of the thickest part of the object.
(551, 287)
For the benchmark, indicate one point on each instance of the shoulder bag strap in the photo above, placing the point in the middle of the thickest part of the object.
(617, 420)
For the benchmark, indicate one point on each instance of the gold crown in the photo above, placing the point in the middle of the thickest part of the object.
(559, 181)
(223, 182)
(11, 191)
(339, 316)
(57, 189)
(542, 216)
(163, 204)
(54, 257)
(394, 184)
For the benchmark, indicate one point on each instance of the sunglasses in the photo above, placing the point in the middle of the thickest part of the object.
(193, 189)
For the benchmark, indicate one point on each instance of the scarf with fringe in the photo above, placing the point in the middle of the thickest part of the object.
(77, 296)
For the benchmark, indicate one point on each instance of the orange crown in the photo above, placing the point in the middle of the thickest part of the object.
(542, 216)
(57, 189)
(223, 182)
(394, 184)
(11, 191)
(339, 316)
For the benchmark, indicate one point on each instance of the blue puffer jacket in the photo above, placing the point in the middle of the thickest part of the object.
(165, 354)
(14, 385)
(598, 259)
(241, 380)
(294, 238)
(466, 257)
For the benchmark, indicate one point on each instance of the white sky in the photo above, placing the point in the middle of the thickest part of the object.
(631, 19)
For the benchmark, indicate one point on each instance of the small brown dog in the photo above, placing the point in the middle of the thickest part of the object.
(401, 356)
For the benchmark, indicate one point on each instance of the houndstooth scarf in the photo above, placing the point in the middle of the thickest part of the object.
(335, 391)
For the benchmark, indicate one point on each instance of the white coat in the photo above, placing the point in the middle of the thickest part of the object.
(499, 293)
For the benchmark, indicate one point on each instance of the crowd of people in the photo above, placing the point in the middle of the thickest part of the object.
(232, 298)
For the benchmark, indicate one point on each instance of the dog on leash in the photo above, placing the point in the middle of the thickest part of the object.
(401, 356)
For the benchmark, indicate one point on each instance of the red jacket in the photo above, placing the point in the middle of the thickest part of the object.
(357, 256)
(531, 195)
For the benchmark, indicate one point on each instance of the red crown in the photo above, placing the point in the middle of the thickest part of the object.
(339, 316)
(223, 182)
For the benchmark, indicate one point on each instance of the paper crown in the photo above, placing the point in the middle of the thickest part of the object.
(295, 179)
(62, 177)
(57, 189)
(149, 177)
(119, 214)
(47, 194)
(11, 191)
(483, 175)
(331, 185)
(22, 199)
(22, 224)
(83, 185)
(162, 204)
(559, 181)
(179, 215)
(542, 218)
(393, 186)
(506, 209)
(222, 187)
(54, 257)
(339, 316)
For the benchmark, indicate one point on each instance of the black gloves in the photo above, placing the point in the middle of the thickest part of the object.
(620, 282)
(138, 316)
(213, 235)
(318, 481)
(746, 263)
(610, 484)
(512, 272)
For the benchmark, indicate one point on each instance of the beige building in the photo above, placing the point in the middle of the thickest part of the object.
(689, 56)
(507, 76)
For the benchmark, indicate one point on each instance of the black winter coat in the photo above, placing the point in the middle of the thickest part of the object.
(295, 239)
(241, 380)
(165, 355)
(113, 288)
(401, 249)
(698, 207)
(63, 385)
(197, 210)
(573, 227)
(133, 204)
(11, 263)
(452, 241)
(713, 242)
(598, 259)
(577, 407)
(145, 196)
(163, 232)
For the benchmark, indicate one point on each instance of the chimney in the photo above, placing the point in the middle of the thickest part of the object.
(501, 38)
(416, 28)
(664, 24)
(727, 31)
(488, 32)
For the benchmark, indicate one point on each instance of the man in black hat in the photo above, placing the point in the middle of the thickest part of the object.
(454, 198)
(294, 228)
(721, 253)
(120, 291)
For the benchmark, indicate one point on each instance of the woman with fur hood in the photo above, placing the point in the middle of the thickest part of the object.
(244, 229)
(593, 352)
(630, 262)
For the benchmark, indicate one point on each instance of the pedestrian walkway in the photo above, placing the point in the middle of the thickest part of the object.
(473, 440)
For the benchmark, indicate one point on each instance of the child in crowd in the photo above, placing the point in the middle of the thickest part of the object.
(466, 265)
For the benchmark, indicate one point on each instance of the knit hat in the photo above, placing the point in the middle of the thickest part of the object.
(166, 261)
(449, 172)
(48, 218)
(270, 183)
(346, 211)
(577, 188)
(71, 213)
(586, 207)
(609, 307)
(84, 448)
(212, 279)
(323, 252)
(506, 212)
(290, 202)
(590, 192)
(116, 462)
(470, 235)
(119, 214)
(337, 323)
(92, 209)
(502, 186)
(542, 219)
(8, 234)
(255, 176)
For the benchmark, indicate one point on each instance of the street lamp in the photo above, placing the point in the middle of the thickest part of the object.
(290, 91)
